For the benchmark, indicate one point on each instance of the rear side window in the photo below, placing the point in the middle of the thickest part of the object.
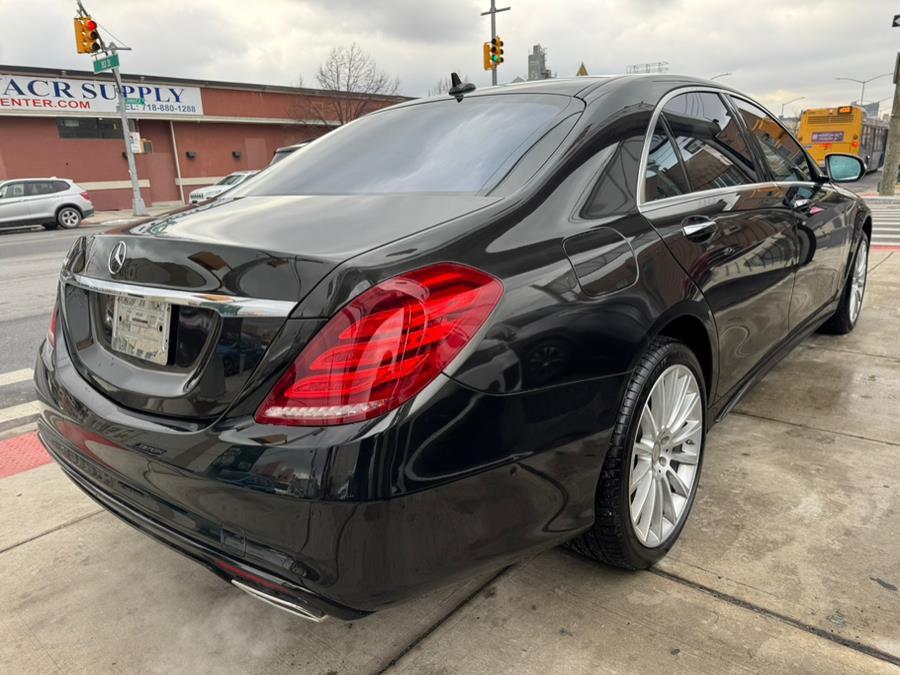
(664, 176)
(440, 146)
(783, 154)
(710, 140)
(37, 188)
(60, 186)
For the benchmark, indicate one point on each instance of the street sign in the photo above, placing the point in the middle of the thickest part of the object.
(896, 21)
(134, 101)
(106, 63)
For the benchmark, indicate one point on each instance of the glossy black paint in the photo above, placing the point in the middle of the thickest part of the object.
(497, 458)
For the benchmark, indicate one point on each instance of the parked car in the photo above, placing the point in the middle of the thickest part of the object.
(480, 326)
(287, 150)
(51, 202)
(224, 185)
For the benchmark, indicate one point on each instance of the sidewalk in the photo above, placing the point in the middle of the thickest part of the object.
(125, 216)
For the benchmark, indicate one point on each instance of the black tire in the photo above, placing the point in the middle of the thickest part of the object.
(68, 217)
(612, 539)
(843, 321)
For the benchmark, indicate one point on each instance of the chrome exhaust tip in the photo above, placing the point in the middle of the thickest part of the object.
(307, 613)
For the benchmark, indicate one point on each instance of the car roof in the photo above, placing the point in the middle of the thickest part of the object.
(582, 87)
(10, 180)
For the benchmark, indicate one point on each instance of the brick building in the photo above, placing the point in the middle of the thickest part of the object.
(193, 132)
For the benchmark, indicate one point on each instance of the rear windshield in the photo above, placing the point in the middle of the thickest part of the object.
(440, 146)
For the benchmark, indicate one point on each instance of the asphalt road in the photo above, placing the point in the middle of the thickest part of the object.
(29, 264)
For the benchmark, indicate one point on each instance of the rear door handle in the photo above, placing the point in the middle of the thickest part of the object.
(698, 227)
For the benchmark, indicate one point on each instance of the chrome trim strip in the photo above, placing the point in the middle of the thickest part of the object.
(226, 305)
(700, 195)
(648, 136)
(280, 603)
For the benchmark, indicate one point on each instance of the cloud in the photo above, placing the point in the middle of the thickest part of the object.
(775, 51)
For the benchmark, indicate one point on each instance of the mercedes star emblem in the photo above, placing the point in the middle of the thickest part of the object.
(117, 258)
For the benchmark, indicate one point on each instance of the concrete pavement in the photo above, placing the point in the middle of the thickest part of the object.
(790, 562)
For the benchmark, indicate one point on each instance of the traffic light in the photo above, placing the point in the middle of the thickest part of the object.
(496, 51)
(486, 51)
(87, 38)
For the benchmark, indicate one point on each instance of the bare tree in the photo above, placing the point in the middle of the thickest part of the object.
(442, 86)
(351, 79)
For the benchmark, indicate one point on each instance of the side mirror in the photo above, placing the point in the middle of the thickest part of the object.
(843, 168)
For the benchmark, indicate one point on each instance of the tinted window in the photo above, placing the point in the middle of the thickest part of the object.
(441, 146)
(664, 176)
(89, 127)
(60, 186)
(783, 154)
(12, 190)
(711, 143)
(37, 188)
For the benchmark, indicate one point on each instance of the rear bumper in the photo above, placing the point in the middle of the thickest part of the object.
(343, 521)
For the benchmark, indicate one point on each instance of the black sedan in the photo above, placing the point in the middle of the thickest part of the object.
(448, 335)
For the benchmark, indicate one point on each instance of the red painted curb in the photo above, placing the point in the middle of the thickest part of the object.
(21, 453)
(885, 247)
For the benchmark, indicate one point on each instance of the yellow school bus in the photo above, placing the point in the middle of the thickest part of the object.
(844, 129)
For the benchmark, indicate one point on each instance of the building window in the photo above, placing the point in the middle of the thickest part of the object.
(89, 127)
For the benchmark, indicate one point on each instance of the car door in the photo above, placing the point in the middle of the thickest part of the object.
(725, 222)
(13, 207)
(823, 215)
(38, 196)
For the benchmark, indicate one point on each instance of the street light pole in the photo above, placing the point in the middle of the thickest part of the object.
(493, 12)
(137, 202)
(786, 103)
(862, 93)
(888, 183)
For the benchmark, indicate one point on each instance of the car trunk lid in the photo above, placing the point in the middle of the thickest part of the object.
(173, 315)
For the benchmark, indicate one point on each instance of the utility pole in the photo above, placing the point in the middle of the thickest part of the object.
(137, 202)
(892, 154)
(493, 11)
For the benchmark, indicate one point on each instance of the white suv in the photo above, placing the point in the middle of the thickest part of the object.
(51, 202)
(224, 185)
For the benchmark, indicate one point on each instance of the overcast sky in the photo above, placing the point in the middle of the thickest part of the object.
(776, 49)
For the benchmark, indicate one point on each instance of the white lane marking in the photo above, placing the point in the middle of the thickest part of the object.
(16, 376)
(20, 411)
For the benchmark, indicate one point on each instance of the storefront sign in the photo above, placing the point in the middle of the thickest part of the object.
(58, 96)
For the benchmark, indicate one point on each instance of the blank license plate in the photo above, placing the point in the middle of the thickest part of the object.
(141, 328)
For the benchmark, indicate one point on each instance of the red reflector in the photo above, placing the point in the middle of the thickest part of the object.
(855, 144)
(86, 196)
(51, 331)
(383, 347)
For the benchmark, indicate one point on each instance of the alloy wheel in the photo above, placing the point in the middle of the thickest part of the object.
(858, 282)
(666, 457)
(69, 218)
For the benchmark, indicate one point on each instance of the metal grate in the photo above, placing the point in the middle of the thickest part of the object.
(830, 119)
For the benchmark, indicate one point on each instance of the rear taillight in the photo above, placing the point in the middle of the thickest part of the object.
(86, 196)
(384, 347)
(51, 331)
